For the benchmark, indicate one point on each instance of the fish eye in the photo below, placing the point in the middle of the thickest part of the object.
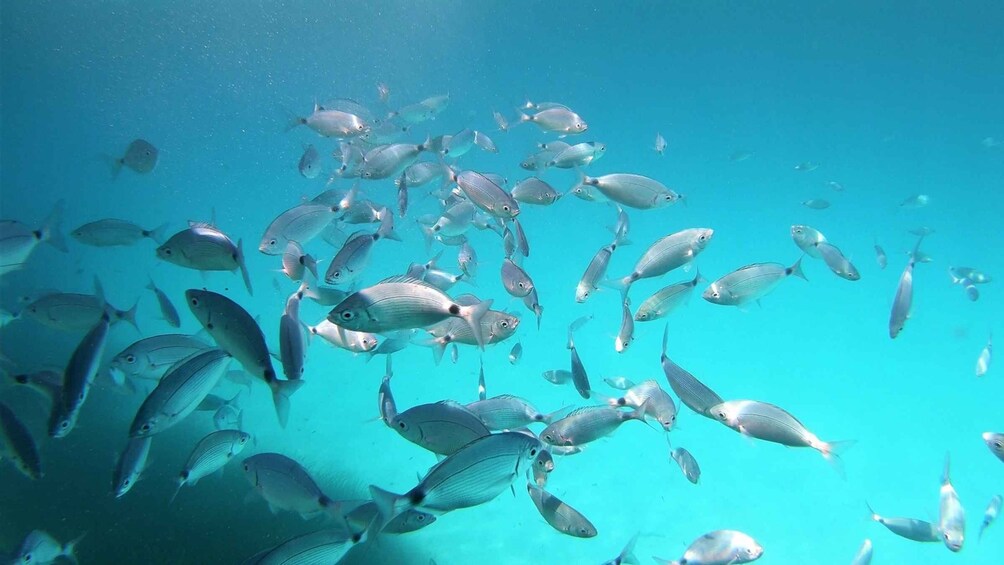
(504, 324)
(533, 452)
(505, 207)
(195, 302)
(402, 425)
(246, 467)
(146, 427)
(998, 444)
(702, 238)
(420, 517)
(125, 483)
(714, 294)
(167, 251)
(64, 424)
(271, 242)
(347, 315)
(130, 358)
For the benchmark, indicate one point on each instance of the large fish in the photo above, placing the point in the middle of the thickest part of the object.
(633, 191)
(204, 247)
(668, 253)
(721, 547)
(150, 357)
(179, 392)
(559, 515)
(140, 156)
(750, 283)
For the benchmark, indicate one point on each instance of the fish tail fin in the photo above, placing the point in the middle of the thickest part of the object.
(157, 234)
(386, 229)
(831, 452)
(51, 231)
(243, 266)
(638, 413)
(114, 164)
(389, 505)
(438, 347)
(522, 117)
(176, 492)
(872, 515)
(796, 270)
(473, 315)
(151, 285)
(70, 547)
(945, 475)
(698, 278)
(292, 120)
(627, 554)
(622, 284)
(427, 144)
(429, 236)
(281, 391)
(129, 315)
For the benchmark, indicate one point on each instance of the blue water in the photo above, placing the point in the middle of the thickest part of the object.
(891, 99)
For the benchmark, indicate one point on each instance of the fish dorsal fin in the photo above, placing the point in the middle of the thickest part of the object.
(584, 409)
(406, 279)
(356, 234)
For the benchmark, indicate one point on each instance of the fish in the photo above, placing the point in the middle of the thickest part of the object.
(991, 513)
(620, 383)
(386, 161)
(500, 121)
(482, 140)
(975, 275)
(150, 357)
(542, 467)
(295, 262)
(112, 232)
(477, 473)
(578, 371)
(354, 256)
(951, 515)
(356, 342)
(179, 392)
(595, 271)
(835, 260)
(666, 254)
(687, 464)
(237, 333)
(286, 485)
(750, 283)
(302, 223)
(546, 151)
(486, 194)
(532, 302)
(660, 144)
(902, 303)
(324, 546)
(559, 515)
(835, 186)
(816, 204)
(331, 123)
(909, 528)
(516, 353)
(441, 427)
(292, 339)
(626, 555)
(310, 162)
(400, 303)
(421, 174)
(720, 547)
(68, 311)
(458, 144)
(496, 326)
(658, 403)
(983, 361)
(806, 238)
(588, 424)
(140, 156)
(18, 445)
(131, 464)
(167, 309)
(210, 455)
(771, 423)
(363, 515)
(631, 190)
(667, 299)
(806, 166)
(78, 377)
(203, 247)
(880, 257)
(626, 334)
(578, 155)
(915, 201)
(557, 376)
(522, 244)
(692, 392)
(995, 442)
(18, 241)
(533, 190)
(40, 548)
(555, 120)
(515, 280)
(864, 555)
(508, 412)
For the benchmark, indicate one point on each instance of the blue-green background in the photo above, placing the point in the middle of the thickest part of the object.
(891, 99)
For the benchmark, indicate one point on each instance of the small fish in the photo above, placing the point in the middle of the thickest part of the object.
(515, 280)
(991, 513)
(626, 555)
(331, 123)
(500, 121)
(626, 334)
(806, 166)
(486, 194)
(620, 383)
(140, 156)
(292, 339)
(666, 254)
(295, 262)
(111, 233)
(667, 299)
(660, 144)
(864, 555)
(454, 353)
(578, 155)
(210, 455)
(150, 357)
(532, 302)
(631, 190)
(816, 204)
(588, 424)
(687, 464)
(557, 376)
(657, 402)
(78, 377)
(835, 260)
(771, 423)
(310, 162)
(18, 445)
(595, 271)
(579, 377)
(203, 247)
(441, 427)
(903, 301)
(692, 392)
(880, 256)
(995, 442)
(533, 190)
(286, 485)
(40, 548)
(915, 201)
(721, 547)
(303, 223)
(974, 275)
(496, 327)
(559, 515)
(983, 362)
(508, 412)
(516, 353)
(922, 231)
(354, 256)
(750, 283)
(69, 311)
(324, 546)
(542, 468)
(806, 238)
(131, 464)
(835, 186)
(556, 120)
(951, 517)
(179, 392)
(167, 309)
(467, 259)
(18, 241)
(386, 161)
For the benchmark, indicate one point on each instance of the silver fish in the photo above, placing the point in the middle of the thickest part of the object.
(983, 361)
(112, 232)
(556, 119)
(459, 143)
(557, 376)
(140, 156)
(18, 241)
(880, 256)
(816, 204)
(721, 547)
(542, 467)
(515, 280)
(324, 295)
(864, 555)
(836, 261)
(626, 555)
(421, 174)
(633, 191)
(951, 517)
(332, 123)
(806, 238)
(660, 144)
(475, 474)
(533, 190)
(915, 201)
(516, 353)
(179, 392)
(532, 302)
(385, 161)
(356, 342)
(909, 528)
(391, 344)
(482, 389)
(211, 454)
(687, 464)
(806, 166)
(441, 279)
(360, 517)
(310, 162)
(68, 311)
(835, 186)
(538, 161)
(131, 464)
(295, 262)
(991, 513)
(771, 423)
(40, 548)
(400, 303)
(286, 485)
(559, 515)
(588, 193)
(579, 377)
(236, 332)
(903, 301)
(292, 339)
(522, 244)
(668, 253)
(595, 271)
(500, 121)
(974, 275)
(507, 412)
(228, 417)
(325, 546)
(692, 392)
(486, 194)
(995, 442)
(578, 155)
(620, 383)
(626, 334)
(750, 283)
(18, 445)
(78, 377)
(588, 424)
(301, 224)
(496, 327)
(167, 309)
(441, 427)
(150, 357)
(666, 299)
(657, 402)
(203, 247)
(354, 256)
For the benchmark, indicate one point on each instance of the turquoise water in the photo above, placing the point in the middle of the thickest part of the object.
(890, 100)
